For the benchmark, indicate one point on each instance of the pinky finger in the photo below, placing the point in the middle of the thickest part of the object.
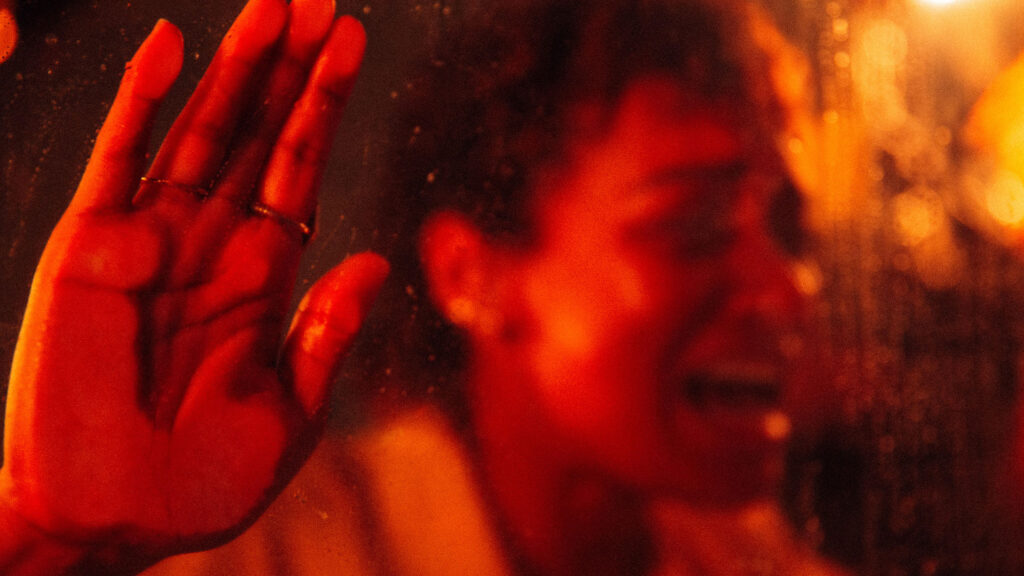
(117, 162)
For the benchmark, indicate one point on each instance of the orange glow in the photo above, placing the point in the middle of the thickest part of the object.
(880, 59)
(807, 278)
(996, 125)
(777, 425)
(918, 216)
(1004, 199)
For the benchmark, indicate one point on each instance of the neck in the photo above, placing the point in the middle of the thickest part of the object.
(561, 518)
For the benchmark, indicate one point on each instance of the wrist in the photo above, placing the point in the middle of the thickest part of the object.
(27, 550)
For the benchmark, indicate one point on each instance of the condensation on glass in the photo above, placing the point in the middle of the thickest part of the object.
(921, 281)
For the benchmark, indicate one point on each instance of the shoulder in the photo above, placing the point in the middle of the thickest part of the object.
(397, 498)
(754, 539)
(317, 525)
(430, 513)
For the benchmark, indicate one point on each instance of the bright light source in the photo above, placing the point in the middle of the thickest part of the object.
(938, 2)
(1005, 199)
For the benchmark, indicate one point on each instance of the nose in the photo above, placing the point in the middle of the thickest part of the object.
(767, 284)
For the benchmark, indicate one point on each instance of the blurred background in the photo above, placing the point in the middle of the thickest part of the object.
(901, 465)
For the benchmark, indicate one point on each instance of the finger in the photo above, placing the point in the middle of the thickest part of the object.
(8, 29)
(118, 159)
(325, 325)
(296, 163)
(309, 22)
(194, 148)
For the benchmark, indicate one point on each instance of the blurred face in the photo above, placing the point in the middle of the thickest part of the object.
(657, 323)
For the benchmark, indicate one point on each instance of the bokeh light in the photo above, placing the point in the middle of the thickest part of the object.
(1005, 199)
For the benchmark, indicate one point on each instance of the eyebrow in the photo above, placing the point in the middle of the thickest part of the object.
(728, 171)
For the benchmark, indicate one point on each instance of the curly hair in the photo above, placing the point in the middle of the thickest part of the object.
(492, 105)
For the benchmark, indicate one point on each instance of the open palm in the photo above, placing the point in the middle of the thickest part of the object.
(152, 402)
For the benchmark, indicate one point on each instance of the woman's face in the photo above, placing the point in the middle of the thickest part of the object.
(658, 323)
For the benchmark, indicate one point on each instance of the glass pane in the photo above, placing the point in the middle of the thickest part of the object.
(904, 159)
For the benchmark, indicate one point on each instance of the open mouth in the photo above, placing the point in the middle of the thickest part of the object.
(747, 388)
(739, 404)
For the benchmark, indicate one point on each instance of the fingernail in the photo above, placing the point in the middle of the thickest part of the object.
(165, 27)
(157, 62)
(260, 24)
(350, 41)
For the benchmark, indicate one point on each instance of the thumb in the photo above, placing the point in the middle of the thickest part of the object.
(325, 325)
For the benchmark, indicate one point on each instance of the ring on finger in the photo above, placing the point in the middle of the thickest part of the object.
(305, 230)
(199, 191)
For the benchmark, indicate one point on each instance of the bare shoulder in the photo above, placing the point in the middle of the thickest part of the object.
(317, 525)
(756, 539)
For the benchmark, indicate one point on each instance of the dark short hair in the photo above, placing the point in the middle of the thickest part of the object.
(491, 106)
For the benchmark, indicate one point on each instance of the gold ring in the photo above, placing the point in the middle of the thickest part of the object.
(201, 192)
(304, 230)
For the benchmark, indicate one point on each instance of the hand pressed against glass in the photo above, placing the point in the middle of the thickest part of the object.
(151, 349)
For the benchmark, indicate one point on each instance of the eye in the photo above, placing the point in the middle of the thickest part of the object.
(697, 219)
(708, 232)
(785, 220)
(688, 234)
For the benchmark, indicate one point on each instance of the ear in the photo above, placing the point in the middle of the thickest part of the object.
(456, 258)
